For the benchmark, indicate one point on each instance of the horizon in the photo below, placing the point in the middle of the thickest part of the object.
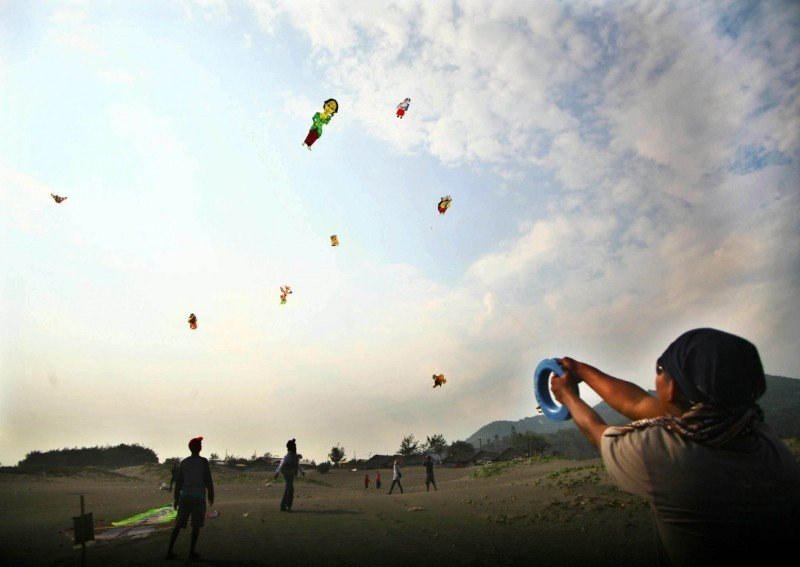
(620, 173)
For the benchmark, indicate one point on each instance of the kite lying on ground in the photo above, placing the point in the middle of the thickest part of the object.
(444, 204)
(334, 240)
(403, 107)
(57, 198)
(438, 380)
(285, 291)
(192, 321)
(329, 108)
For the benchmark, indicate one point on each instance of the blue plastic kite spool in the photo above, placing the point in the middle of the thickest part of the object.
(541, 388)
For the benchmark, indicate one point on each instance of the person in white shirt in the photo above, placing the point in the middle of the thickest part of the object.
(289, 467)
(396, 474)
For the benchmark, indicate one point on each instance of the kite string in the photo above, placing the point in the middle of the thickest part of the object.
(511, 313)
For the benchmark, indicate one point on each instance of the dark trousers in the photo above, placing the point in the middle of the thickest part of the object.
(429, 480)
(397, 482)
(312, 137)
(288, 492)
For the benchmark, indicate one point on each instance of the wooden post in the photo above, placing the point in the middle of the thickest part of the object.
(84, 529)
(83, 542)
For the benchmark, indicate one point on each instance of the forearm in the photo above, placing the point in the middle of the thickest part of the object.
(625, 397)
(588, 421)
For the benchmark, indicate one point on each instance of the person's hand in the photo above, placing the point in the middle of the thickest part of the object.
(572, 367)
(565, 386)
(210, 501)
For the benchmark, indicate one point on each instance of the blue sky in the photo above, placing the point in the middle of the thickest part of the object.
(620, 172)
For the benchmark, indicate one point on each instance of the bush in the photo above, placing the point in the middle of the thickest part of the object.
(324, 467)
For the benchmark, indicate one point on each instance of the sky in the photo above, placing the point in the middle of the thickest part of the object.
(621, 172)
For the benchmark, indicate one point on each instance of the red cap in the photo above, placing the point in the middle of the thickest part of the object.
(195, 441)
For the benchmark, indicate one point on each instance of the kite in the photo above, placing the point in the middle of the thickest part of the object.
(403, 107)
(444, 204)
(438, 380)
(192, 321)
(57, 198)
(285, 291)
(334, 240)
(329, 108)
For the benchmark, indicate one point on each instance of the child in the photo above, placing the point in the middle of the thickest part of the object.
(378, 481)
(366, 481)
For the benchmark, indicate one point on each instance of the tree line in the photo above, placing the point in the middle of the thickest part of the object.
(527, 443)
(114, 457)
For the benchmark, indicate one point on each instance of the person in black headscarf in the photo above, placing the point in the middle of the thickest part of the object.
(718, 480)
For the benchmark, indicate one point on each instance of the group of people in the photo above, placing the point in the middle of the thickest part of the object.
(397, 475)
(718, 480)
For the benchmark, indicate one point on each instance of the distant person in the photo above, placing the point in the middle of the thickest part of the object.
(719, 482)
(174, 472)
(366, 481)
(429, 474)
(191, 485)
(289, 467)
(378, 481)
(396, 475)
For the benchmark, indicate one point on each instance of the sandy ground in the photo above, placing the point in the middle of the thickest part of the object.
(555, 512)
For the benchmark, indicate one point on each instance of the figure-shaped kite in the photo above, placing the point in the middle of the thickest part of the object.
(329, 108)
(444, 204)
(334, 240)
(57, 198)
(403, 107)
(438, 380)
(285, 291)
(192, 321)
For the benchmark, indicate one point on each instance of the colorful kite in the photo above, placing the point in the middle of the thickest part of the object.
(329, 108)
(438, 380)
(403, 107)
(334, 240)
(192, 321)
(285, 291)
(444, 204)
(57, 198)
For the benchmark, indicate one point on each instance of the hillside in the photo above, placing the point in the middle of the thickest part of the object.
(780, 404)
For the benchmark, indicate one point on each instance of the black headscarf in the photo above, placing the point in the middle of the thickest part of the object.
(717, 368)
(291, 446)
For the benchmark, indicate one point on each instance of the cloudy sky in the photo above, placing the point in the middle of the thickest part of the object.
(620, 171)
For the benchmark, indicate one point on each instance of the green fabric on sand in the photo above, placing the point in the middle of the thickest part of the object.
(154, 516)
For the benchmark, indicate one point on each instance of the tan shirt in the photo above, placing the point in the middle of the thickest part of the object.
(709, 504)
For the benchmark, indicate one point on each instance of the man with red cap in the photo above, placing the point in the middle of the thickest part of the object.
(194, 479)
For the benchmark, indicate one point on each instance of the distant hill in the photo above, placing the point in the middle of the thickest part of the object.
(781, 405)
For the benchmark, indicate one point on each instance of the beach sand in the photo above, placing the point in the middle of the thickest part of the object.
(553, 512)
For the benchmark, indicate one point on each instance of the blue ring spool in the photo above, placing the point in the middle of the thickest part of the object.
(541, 389)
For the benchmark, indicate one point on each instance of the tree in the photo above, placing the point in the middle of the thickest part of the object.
(528, 443)
(213, 457)
(461, 450)
(435, 444)
(336, 455)
(408, 446)
(324, 467)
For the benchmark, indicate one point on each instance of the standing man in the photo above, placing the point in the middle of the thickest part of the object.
(194, 479)
(396, 474)
(429, 474)
(289, 467)
(174, 478)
